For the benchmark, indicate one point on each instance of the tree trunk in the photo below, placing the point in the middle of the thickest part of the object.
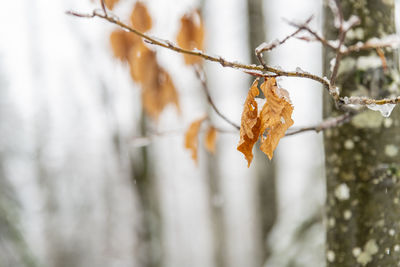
(150, 232)
(362, 159)
(266, 193)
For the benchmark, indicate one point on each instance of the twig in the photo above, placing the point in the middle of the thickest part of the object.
(326, 124)
(342, 34)
(225, 63)
(265, 71)
(201, 75)
(141, 141)
(269, 46)
(343, 29)
(391, 41)
(364, 101)
(103, 7)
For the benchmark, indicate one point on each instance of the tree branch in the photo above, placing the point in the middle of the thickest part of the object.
(326, 124)
(201, 75)
(265, 70)
(225, 63)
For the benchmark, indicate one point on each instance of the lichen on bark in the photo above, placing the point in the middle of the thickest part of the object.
(362, 159)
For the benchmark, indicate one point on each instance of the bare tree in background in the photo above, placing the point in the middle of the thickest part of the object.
(266, 197)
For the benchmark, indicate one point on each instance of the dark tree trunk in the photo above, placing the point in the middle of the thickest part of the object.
(362, 159)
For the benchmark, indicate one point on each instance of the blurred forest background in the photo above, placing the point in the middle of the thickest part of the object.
(80, 186)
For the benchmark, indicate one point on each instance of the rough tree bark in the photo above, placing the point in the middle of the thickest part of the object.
(266, 197)
(362, 159)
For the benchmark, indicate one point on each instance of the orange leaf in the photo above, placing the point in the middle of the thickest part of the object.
(158, 89)
(191, 137)
(143, 64)
(122, 42)
(191, 35)
(110, 3)
(140, 18)
(275, 116)
(210, 138)
(250, 124)
(158, 93)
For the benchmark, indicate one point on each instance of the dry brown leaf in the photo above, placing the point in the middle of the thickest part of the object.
(158, 93)
(210, 138)
(274, 119)
(110, 3)
(275, 116)
(143, 64)
(250, 124)
(122, 42)
(191, 35)
(158, 89)
(191, 137)
(140, 17)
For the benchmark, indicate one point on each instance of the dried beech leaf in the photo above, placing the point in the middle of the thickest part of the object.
(191, 137)
(158, 89)
(250, 124)
(158, 93)
(110, 3)
(191, 35)
(210, 138)
(140, 17)
(143, 64)
(122, 42)
(275, 116)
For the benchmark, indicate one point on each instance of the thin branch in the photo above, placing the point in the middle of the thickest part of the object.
(265, 71)
(316, 36)
(201, 75)
(390, 41)
(103, 7)
(364, 101)
(344, 27)
(324, 125)
(225, 63)
(271, 45)
(142, 141)
(342, 34)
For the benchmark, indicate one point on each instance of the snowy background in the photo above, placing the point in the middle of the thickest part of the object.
(69, 116)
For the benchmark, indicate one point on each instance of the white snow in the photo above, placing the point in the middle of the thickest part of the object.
(266, 46)
(352, 21)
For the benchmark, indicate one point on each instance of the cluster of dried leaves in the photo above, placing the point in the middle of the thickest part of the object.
(158, 90)
(270, 122)
(273, 119)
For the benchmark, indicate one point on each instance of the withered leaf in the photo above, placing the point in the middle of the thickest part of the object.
(158, 89)
(250, 124)
(191, 137)
(210, 138)
(274, 119)
(140, 17)
(275, 116)
(110, 3)
(157, 93)
(191, 35)
(122, 42)
(143, 64)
